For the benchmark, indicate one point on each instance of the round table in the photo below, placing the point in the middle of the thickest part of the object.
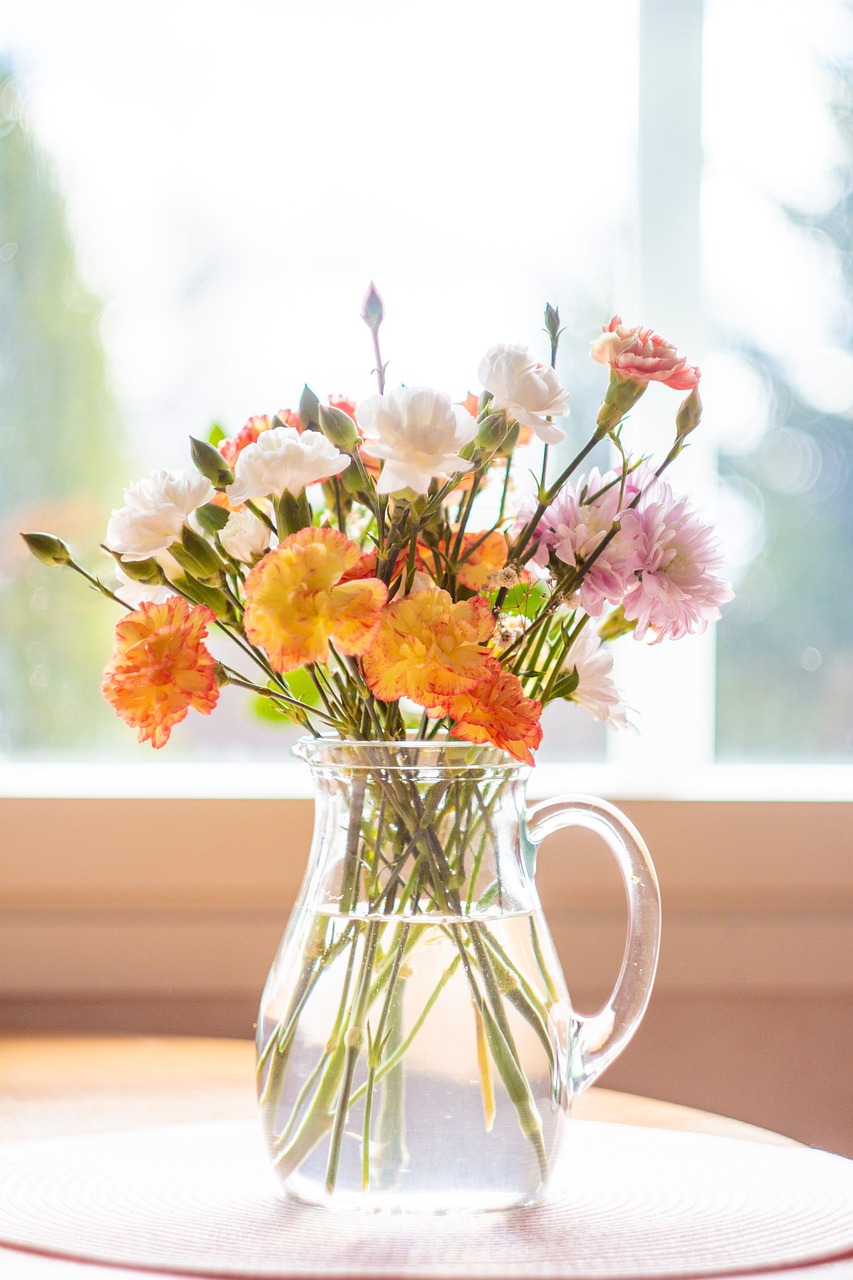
(52, 1086)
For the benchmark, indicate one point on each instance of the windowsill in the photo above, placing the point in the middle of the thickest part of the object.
(227, 780)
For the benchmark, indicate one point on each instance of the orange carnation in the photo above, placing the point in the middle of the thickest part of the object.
(428, 647)
(496, 711)
(475, 566)
(233, 447)
(160, 668)
(296, 601)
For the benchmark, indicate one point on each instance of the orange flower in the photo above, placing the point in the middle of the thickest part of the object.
(427, 647)
(341, 402)
(160, 668)
(365, 566)
(483, 561)
(232, 448)
(476, 566)
(496, 711)
(297, 603)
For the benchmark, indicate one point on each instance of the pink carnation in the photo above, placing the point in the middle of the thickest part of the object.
(675, 589)
(643, 356)
(573, 527)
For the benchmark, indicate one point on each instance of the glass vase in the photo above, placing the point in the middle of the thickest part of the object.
(417, 1047)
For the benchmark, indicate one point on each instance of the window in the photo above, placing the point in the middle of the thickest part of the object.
(218, 197)
(191, 210)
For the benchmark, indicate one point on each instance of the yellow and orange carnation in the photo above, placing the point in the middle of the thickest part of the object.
(296, 601)
(428, 647)
(160, 668)
(496, 711)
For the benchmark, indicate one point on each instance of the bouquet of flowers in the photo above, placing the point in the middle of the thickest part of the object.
(373, 562)
(383, 580)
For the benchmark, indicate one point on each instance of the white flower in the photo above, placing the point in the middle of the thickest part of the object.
(155, 510)
(595, 691)
(245, 537)
(282, 458)
(524, 389)
(418, 433)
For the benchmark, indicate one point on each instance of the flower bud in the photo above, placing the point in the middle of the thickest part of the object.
(211, 464)
(689, 415)
(201, 551)
(373, 308)
(309, 410)
(215, 599)
(491, 432)
(194, 555)
(353, 483)
(145, 571)
(48, 548)
(292, 513)
(552, 325)
(338, 428)
(621, 396)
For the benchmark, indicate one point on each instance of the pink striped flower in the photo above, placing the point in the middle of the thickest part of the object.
(675, 588)
(575, 524)
(643, 356)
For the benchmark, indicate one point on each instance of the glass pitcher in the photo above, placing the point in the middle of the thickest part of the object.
(417, 1048)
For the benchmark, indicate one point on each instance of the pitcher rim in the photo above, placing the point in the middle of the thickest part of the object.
(321, 751)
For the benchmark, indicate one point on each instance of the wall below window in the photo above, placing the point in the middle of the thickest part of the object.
(162, 916)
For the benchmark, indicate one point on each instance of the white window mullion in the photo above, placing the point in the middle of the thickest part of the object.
(671, 686)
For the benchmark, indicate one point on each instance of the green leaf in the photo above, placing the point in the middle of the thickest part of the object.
(527, 598)
(566, 685)
(216, 434)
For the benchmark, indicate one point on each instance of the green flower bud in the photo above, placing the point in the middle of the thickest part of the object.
(195, 555)
(292, 513)
(491, 432)
(202, 552)
(211, 464)
(353, 483)
(552, 325)
(689, 414)
(373, 308)
(309, 410)
(203, 593)
(621, 396)
(48, 548)
(147, 571)
(338, 428)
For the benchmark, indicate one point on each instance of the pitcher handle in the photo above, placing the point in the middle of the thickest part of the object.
(603, 1036)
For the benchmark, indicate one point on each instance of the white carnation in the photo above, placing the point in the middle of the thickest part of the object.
(283, 458)
(418, 433)
(595, 691)
(245, 537)
(525, 389)
(155, 510)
